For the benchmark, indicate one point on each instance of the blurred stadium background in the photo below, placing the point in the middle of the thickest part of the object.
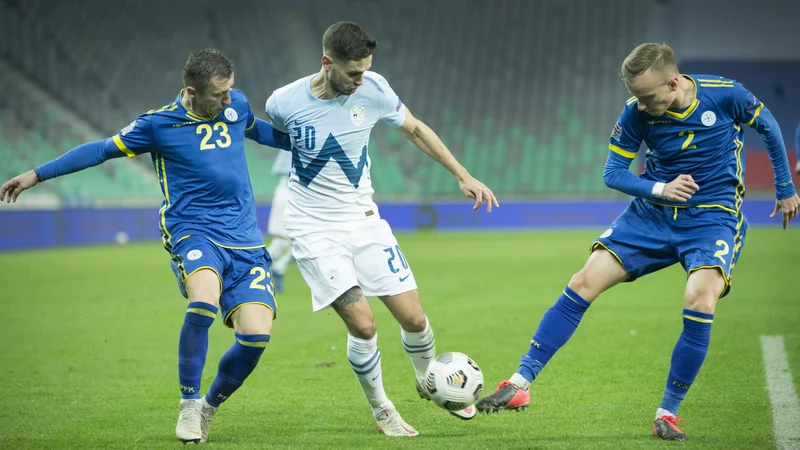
(525, 94)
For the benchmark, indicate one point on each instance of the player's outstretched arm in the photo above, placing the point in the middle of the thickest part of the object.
(426, 140)
(264, 133)
(750, 111)
(77, 159)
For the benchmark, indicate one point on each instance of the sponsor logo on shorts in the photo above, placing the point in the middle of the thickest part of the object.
(194, 255)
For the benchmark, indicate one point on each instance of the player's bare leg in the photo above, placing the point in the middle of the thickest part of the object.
(601, 271)
(703, 288)
(203, 291)
(418, 340)
(252, 324)
(365, 359)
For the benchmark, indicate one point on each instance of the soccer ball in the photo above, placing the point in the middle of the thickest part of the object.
(453, 381)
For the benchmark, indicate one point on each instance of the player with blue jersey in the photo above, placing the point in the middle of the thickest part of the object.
(687, 210)
(343, 248)
(280, 248)
(207, 222)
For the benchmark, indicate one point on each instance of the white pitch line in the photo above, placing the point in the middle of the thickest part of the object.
(782, 395)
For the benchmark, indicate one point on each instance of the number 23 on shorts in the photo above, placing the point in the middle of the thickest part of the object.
(262, 274)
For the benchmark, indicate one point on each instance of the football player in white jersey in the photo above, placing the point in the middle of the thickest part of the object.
(280, 248)
(343, 248)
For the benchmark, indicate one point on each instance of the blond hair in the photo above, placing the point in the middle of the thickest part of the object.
(658, 57)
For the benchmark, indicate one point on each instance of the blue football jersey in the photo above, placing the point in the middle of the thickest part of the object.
(201, 167)
(705, 140)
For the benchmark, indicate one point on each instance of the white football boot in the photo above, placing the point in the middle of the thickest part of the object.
(188, 428)
(391, 424)
(206, 416)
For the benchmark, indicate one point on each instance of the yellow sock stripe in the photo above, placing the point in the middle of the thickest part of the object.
(252, 344)
(698, 319)
(202, 312)
(565, 293)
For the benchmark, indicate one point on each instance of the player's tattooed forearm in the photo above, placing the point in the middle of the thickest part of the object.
(348, 299)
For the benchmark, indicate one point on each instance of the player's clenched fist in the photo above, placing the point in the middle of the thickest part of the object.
(680, 189)
(13, 187)
(789, 207)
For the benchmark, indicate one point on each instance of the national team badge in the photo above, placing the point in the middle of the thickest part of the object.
(607, 233)
(231, 115)
(357, 115)
(194, 255)
(708, 118)
(128, 129)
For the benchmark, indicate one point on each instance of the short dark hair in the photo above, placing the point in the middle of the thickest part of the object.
(203, 65)
(347, 41)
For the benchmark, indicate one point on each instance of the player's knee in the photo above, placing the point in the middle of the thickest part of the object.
(415, 323)
(583, 285)
(362, 328)
(703, 290)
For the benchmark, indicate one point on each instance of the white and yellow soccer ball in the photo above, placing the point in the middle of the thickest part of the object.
(454, 381)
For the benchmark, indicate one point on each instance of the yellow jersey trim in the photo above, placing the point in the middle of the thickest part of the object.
(236, 248)
(121, 146)
(251, 126)
(756, 114)
(692, 107)
(631, 100)
(621, 152)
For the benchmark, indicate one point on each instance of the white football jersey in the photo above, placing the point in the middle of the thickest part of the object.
(330, 179)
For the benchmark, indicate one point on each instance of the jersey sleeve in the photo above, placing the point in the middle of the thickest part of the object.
(746, 106)
(392, 110)
(273, 112)
(627, 135)
(137, 138)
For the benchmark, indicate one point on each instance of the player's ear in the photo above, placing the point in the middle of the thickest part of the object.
(191, 91)
(327, 61)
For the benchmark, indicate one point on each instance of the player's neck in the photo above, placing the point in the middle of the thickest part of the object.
(686, 94)
(187, 103)
(320, 87)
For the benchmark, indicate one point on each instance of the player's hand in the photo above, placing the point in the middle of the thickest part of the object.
(797, 168)
(680, 189)
(13, 187)
(789, 207)
(473, 188)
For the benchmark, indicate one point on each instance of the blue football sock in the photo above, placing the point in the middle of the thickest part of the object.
(235, 366)
(555, 329)
(687, 357)
(193, 346)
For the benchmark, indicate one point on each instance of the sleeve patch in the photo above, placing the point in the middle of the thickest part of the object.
(616, 133)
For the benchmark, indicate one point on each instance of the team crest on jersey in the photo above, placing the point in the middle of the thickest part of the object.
(231, 115)
(357, 115)
(194, 255)
(616, 133)
(607, 233)
(708, 118)
(128, 129)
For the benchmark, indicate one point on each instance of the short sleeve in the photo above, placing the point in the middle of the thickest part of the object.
(137, 138)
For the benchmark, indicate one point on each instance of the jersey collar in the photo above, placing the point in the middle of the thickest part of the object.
(692, 106)
(188, 113)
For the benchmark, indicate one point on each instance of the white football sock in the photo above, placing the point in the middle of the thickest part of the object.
(365, 358)
(421, 347)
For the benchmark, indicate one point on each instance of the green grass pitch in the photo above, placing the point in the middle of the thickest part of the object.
(89, 348)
